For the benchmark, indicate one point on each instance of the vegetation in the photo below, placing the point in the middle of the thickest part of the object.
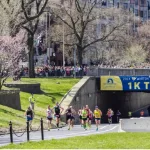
(51, 93)
(109, 141)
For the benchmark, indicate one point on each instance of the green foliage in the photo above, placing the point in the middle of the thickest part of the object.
(109, 141)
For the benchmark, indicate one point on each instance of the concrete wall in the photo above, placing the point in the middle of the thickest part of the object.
(83, 93)
(30, 88)
(136, 124)
(10, 99)
(94, 71)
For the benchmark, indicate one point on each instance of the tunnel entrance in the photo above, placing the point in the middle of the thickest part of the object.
(124, 102)
(119, 94)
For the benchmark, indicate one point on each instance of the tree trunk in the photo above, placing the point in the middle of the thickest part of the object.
(1, 84)
(80, 52)
(31, 55)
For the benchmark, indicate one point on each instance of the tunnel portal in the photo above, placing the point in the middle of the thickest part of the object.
(124, 93)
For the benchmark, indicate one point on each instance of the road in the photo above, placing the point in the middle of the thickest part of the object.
(61, 133)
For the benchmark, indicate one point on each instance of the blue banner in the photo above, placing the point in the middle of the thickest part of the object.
(125, 83)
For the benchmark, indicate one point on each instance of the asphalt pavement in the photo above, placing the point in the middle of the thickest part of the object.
(60, 134)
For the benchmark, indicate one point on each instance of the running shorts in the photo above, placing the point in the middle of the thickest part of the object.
(97, 118)
(69, 117)
(84, 119)
(73, 118)
(80, 117)
(90, 118)
(57, 115)
(29, 118)
(49, 118)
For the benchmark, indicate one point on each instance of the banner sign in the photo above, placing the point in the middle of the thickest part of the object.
(125, 83)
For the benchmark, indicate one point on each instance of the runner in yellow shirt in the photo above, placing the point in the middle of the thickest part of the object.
(97, 115)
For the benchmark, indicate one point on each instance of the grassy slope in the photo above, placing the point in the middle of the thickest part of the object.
(52, 93)
(109, 141)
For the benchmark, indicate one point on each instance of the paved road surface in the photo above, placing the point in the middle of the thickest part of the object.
(62, 133)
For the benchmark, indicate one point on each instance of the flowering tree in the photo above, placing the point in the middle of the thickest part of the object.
(10, 55)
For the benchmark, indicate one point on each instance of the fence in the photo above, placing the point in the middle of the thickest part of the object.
(95, 71)
(27, 130)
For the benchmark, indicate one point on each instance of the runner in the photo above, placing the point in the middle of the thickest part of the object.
(84, 118)
(73, 116)
(58, 111)
(97, 115)
(88, 113)
(109, 114)
(80, 116)
(90, 118)
(32, 101)
(69, 117)
(118, 114)
(29, 115)
(49, 117)
(141, 113)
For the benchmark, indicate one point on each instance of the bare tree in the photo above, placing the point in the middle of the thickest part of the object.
(81, 21)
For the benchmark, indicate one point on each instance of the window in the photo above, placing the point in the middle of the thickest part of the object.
(149, 14)
(145, 14)
(141, 14)
(125, 5)
(136, 12)
(142, 2)
(136, 2)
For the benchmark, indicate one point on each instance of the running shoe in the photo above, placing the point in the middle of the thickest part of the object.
(96, 129)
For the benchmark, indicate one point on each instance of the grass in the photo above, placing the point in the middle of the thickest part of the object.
(52, 92)
(106, 141)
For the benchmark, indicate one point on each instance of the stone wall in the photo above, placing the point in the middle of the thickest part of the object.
(10, 99)
(24, 87)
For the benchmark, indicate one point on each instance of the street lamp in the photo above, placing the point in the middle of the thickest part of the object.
(63, 44)
(48, 43)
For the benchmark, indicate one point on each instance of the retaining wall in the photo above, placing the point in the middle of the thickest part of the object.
(81, 94)
(29, 88)
(10, 99)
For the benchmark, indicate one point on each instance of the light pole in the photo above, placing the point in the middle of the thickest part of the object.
(63, 45)
(48, 42)
(49, 45)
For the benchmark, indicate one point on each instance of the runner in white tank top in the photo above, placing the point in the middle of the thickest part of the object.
(49, 113)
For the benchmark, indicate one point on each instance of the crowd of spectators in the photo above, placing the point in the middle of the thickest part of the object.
(48, 71)
(79, 71)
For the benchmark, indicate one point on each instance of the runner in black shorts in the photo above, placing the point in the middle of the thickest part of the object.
(80, 116)
(57, 109)
(69, 116)
(49, 117)
(88, 114)
(84, 118)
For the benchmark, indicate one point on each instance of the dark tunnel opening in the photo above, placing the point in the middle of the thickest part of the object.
(124, 101)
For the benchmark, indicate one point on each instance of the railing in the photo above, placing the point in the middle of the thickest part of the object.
(95, 71)
(27, 130)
